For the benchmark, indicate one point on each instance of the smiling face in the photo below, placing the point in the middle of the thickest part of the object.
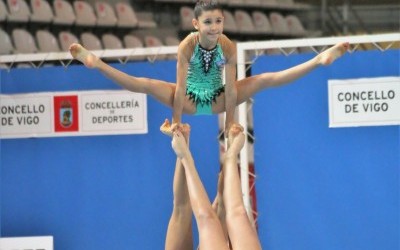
(210, 25)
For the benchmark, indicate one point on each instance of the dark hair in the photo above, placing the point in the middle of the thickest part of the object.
(205, 5)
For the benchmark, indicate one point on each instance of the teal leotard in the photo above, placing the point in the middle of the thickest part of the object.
(204, 78)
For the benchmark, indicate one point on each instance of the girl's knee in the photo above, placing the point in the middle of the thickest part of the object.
(206, 216)
(236, 212)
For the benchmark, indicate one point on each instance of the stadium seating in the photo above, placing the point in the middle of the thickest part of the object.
(105, 14)
(6, 46)
(90, 41)
(126, 16)
(66, 38)
(18, 11)
(23, 41)
(41, 11)
(47, 42)
(63, 13)
(85, 15)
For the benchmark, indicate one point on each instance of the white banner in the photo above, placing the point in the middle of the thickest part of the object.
(364, 102)
(72, 114)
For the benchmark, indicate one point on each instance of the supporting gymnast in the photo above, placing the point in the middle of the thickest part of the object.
(202, 56)
(179, 234)
(211, 234)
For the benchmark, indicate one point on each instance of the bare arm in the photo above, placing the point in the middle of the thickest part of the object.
(179, 97)
(230, 51)
(230, 94)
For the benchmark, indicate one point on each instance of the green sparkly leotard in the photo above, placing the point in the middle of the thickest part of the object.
(204, 77)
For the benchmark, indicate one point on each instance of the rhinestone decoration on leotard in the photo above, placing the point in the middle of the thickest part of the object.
(207, 57)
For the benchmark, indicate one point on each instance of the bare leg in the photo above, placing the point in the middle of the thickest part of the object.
(247, 87)
(241, 233)
(160, 90)
(219, 207)
(179, 234)
(210, 230)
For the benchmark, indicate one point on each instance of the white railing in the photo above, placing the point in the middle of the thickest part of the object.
(65, 58)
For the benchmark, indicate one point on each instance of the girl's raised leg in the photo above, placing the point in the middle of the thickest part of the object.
(161, 90)
(249, 86)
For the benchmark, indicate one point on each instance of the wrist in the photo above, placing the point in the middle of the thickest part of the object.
(176, 119)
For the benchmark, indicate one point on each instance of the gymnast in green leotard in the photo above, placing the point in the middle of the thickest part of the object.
(203, 57)
(204, 77)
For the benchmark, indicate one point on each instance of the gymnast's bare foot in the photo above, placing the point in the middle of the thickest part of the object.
(83, 55)
(166, 129)
(186, 132)
(330, 55)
